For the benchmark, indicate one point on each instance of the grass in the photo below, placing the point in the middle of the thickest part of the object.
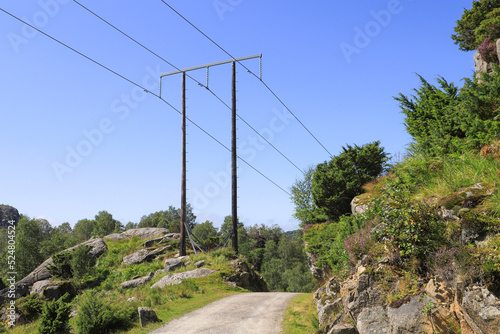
(170, 302)
(301, 316)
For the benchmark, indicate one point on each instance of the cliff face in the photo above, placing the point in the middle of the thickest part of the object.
(8, 213)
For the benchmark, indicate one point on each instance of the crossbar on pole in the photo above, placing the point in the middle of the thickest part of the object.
(211, 65)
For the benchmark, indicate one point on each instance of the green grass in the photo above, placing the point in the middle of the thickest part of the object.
(301, 316)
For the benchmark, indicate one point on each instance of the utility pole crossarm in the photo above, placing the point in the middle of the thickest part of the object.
(211, 65)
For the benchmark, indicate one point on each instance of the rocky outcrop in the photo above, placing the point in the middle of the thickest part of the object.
(53, 290)
(115, 236)
(481, 65)
(42, 272)
(147, 316)
(318, 273)
(245, 277)
(436, 307)
(133, 283)
(482, 309)
(146, 232)
(161, 240)
(143, 255)
(177, 278)
(7, 214)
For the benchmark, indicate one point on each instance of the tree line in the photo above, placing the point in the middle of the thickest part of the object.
(277, 255)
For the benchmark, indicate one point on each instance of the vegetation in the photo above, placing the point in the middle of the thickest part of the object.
(444, 120)
(301, 316)
(476, 24)
(55, 317)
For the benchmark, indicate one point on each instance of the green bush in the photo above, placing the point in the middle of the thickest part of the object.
(55, 317)
(31, 306)
(445, 120)
(336, 182)
(327, 242)
(97, 316)
(76, 263)
(414, 229)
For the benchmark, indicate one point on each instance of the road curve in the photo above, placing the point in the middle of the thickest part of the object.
(257, 312)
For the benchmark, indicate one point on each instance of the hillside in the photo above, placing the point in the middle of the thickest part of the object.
(107, 280)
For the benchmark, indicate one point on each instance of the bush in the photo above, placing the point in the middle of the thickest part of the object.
(445, 120)
(336, 182)
(76, 263)
(55, 317)
(413, 228)
(31, 306)
(96, 316)
(327, 241)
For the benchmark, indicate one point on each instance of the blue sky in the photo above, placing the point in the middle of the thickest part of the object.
(77, 139)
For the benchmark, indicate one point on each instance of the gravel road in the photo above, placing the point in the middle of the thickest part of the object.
(258, 312)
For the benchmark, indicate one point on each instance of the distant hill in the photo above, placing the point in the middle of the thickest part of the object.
(8, 213)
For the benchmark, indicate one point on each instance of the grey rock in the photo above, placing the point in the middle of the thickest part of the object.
(481, 65)
(409, 317)
(135, 282)
(177, 278)
(143, 255)
(246, 278)
(146, 232)
(343, 328)
(146, 316)
(8, 213)
(53, 290)
(359, 206)
(116, 236)
(133, 300)
(373, 320)
(199, 264)
(172, 264)
(151, 242)
(483, 307)
(317, 272)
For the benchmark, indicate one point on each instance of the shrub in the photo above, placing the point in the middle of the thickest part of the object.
(82, 262)
(31, 306)
(488, 50)
(359, 243)
(327, 241)
(413, 228)
(55, 317)
(96, 316)
(75, 263)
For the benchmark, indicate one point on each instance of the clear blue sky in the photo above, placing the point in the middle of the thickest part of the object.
(56, 104)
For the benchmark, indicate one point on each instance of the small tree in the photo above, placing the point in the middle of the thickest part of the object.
(337, 182)
(467, 36)
(55, 317)
(305, 210)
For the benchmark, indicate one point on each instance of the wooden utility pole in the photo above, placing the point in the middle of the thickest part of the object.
(234, 160)
(234, 156)
(182, 251)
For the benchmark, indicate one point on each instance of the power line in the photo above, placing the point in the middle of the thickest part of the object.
(199, 83)
(249, 71)
(138, 85)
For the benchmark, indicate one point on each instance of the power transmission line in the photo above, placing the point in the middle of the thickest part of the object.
(249, 71)
(199, 83)
(145, 90)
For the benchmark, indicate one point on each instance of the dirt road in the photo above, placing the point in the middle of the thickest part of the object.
(258, 312)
